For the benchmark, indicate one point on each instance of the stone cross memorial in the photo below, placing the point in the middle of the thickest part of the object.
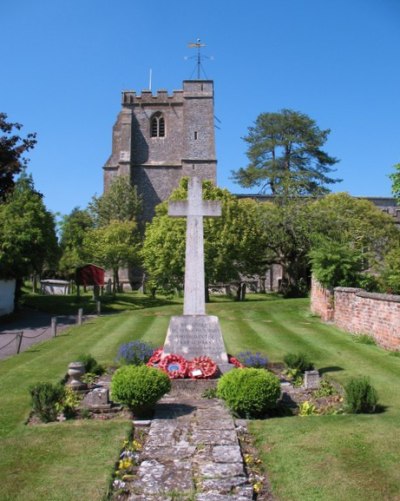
(195, 333)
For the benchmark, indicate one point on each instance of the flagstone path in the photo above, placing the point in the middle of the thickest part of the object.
(192, 452)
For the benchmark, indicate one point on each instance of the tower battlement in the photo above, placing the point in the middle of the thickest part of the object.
(146, 97)
(191, 89)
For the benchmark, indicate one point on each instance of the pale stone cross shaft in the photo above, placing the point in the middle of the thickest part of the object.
(195, 208)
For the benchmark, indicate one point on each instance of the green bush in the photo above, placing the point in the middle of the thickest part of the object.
(139, 387)
(249, 392)
(299, 361)
(91, 364)
(361, 396)
(45, 400)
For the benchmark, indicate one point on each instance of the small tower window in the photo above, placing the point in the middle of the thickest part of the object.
(157, 125)
(195, 135)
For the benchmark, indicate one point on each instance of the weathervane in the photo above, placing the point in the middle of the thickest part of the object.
(198, 45)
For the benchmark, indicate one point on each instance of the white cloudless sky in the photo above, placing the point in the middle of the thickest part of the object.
(65, 63)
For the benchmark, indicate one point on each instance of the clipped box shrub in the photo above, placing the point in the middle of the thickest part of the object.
(139, 387)
(298, 361)
(46, 398)
(360, 396)
(134, 353)
(249, 392)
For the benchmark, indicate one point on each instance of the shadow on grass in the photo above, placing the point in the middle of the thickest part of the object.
(69, 305)
(332, 368)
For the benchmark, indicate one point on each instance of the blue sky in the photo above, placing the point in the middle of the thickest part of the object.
(65, 63)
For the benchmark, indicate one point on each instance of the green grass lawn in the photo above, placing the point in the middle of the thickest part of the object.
(307, 458)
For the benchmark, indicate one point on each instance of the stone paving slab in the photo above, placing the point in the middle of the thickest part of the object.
(192, 451)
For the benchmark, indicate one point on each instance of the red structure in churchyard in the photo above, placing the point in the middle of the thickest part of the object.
(90, 274)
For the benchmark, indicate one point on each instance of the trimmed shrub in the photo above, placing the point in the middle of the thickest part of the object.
(45, 400)
(249, 392)
(249, 359)
(134, 353)
(299, 361)
(361, 396)
(139, 387)
(91, 364)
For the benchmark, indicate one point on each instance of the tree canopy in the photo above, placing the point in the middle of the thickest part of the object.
(286, 156)
(28, 241)
(119, 203)
(112, 246)
(73, 230)
(231, 242)
(12, 149)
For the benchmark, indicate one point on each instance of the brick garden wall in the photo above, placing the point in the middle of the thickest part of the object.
(360, 312)
(322, 301)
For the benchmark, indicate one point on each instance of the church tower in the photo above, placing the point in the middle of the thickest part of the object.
(158, 139)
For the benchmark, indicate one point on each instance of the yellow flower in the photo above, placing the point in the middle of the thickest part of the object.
(257, 487)
(137, 446)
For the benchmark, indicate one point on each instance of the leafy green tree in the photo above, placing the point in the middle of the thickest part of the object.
(284, 150)
(28, 241)
(119, 203)
(287, 241)
(73, 230)
(390, 271)
(335, 263)
(395, 178)
(344, 218)
(112, 247)
(12, 149)
(232, 242)
(349, 238)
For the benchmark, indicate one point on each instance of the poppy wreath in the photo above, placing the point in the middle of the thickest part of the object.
(174, 365)
(234, 361)
(154, 360)
(201, 368)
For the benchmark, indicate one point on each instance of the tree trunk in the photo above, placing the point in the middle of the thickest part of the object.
(206, 292)
(115, 280)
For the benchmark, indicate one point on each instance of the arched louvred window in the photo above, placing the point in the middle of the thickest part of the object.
(157, 125)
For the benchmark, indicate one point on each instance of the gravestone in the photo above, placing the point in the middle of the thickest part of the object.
(194, 333)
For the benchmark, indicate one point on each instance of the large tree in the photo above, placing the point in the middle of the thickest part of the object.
(232, 242)
(119, 203)
(350, 236)
(286, 157)
(73, 230)
(288, 228)
(28, 243)
(12, 149)
(112, 247)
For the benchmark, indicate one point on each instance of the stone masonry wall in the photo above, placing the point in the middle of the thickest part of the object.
(360, 312)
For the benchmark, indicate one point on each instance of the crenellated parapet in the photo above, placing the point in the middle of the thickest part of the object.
(147, 98)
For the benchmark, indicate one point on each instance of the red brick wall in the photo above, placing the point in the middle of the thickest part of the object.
(377, 315)
(360, 312)
(322, 302)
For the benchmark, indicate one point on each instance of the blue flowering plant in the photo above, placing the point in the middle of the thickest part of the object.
(134, 353)
(255, 360)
